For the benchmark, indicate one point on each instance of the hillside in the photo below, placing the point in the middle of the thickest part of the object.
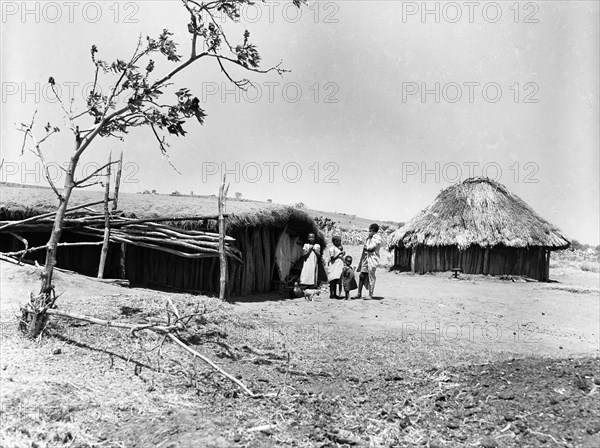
(23, 197)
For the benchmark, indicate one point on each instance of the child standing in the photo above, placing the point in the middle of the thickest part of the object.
(336, 264)
(347, 279)
(311, 251)
(363, 274)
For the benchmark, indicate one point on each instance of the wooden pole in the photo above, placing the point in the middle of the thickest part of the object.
(122, 261)
(222, 254)
(36, 249)
(118, 182)
(486, 261)
(105, 241)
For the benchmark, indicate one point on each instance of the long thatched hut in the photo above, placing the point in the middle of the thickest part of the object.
(479, 226)
(267, 237)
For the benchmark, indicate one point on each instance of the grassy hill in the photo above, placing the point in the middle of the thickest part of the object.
(43, 198)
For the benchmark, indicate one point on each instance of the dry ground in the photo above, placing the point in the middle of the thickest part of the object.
(432, 361)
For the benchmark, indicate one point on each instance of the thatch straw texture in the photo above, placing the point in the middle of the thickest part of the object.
(482, 212)
(19, 203)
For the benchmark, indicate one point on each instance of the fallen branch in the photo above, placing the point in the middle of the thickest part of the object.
(262, 428)
(213, 365)
(177, 315)
(108, 323)
(168, 331)
(537, 433)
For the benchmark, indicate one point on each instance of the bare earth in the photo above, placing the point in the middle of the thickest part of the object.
(431, 361)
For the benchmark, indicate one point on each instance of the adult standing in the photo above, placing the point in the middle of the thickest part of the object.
(370, 259)
(310, 269)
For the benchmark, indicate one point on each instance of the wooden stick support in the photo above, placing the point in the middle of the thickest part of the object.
(222, 254)
(105, 241)
(122, 261)
(117, 183)
(7, 224)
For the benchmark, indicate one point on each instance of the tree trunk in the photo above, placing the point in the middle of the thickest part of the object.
(33, 315)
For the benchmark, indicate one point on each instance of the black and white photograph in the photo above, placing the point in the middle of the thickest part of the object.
(297, 223)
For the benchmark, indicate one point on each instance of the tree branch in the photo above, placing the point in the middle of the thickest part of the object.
(46, 171)
(38, 151)
(95, 173)
(168, 331)
(47, 215)
(27, 130)
(213, 365)
(36, 249)
(62, 105)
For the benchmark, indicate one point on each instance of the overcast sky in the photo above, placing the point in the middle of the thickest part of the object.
(385, 104)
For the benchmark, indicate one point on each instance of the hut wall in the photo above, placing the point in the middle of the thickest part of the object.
(255, 275)
(151, 268)
(533, 262)
(146, 267)
(81, 259)
(402, 257)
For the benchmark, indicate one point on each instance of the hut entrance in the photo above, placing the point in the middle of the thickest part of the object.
(287, 252)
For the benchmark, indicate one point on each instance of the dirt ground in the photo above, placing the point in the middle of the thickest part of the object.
(431, 361)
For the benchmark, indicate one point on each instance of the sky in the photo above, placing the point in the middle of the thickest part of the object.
(386, 102)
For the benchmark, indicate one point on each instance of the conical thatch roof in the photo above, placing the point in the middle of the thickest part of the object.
(478, 211)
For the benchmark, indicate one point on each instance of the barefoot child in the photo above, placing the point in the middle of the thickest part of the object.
(363, 274)
(347, 279)
(336, 264)
(310, 252)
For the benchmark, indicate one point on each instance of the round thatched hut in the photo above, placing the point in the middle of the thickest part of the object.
(480, 227)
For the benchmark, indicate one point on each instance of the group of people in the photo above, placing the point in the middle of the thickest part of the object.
(340, 272)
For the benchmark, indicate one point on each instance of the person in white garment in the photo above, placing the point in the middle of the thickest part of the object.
(335, 266)
(311, 252)
(370, 260)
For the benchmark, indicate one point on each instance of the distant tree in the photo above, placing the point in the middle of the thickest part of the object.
(238, 196)
(154, 192)
(176, 193)
(324, 223)
(270, 201)
(300, 205)
(146, 192)
(107, 115)
(576, 245)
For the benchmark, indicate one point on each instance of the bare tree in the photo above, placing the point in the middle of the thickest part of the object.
(106, 116)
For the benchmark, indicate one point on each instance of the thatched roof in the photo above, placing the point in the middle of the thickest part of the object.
(478, 211)
(18, 203)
